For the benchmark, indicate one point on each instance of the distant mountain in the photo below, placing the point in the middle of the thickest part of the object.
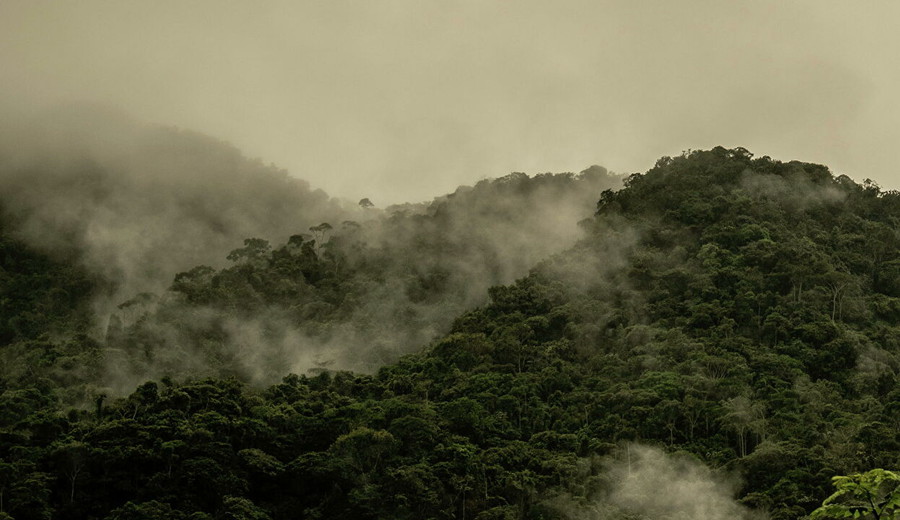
(137, 203)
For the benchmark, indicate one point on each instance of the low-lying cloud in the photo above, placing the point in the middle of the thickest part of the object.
(643, 482)
(136, 204)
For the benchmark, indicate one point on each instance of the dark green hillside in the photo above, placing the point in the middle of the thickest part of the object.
(38, 293)
(45, 319)
(739, 312)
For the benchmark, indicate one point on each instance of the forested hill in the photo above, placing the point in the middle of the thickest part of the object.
(133, 204)
(355, 295)
(724, 340)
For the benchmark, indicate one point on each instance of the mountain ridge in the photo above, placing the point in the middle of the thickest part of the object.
(722, 314)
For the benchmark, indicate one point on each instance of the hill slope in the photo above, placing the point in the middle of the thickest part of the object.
(739, 313)
(137, 203)
(125, 207)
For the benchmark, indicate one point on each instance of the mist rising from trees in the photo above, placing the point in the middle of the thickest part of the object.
(136, 204)
(515, 356)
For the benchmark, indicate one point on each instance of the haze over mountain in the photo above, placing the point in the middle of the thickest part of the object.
(399, 101)
(401, 316)
(720, 343)
(135, 204)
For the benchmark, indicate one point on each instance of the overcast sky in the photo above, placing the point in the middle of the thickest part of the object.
(402, 101)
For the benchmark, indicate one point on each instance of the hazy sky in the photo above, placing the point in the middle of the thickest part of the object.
(406, 100)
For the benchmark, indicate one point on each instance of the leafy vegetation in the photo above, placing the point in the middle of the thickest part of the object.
(739, 311)
(874, 494)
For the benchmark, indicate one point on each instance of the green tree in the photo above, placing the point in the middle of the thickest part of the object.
(871, 495)
(254, 251)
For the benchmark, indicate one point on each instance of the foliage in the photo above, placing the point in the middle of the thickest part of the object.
(874, 494)
(738, 309)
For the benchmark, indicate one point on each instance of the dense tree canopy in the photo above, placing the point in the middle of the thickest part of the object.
(741, 311)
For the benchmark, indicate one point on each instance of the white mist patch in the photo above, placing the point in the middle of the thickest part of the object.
(646, 483)
(795, 191)
(651, 483)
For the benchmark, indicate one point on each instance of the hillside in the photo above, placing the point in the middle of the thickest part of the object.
(720, 343)
(354, 295)
(136, 203)
(130, 207)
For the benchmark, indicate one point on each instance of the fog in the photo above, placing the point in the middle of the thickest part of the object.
(146, 139)
(372, 291)
(642, 482)
(400, 101)
(136, 203)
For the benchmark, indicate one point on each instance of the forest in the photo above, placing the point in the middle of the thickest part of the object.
(718, 337)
